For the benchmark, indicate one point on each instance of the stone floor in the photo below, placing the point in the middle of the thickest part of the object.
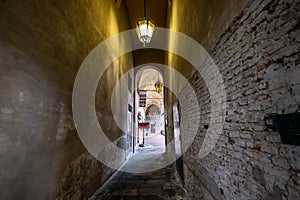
(153, 143)
(144, 184)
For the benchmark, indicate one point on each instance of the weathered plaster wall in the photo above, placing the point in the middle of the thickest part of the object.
(37, 134)
(41, 48)
(258, 56)
(61, 32)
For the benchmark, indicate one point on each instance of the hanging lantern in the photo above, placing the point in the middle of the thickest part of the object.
(145, 27)
(158, 86)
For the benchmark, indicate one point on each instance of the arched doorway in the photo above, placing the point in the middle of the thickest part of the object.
(150, 135)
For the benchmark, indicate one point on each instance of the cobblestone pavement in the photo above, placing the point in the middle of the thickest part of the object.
(162, 184)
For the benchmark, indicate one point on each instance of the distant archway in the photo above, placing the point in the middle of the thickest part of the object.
(150, 109)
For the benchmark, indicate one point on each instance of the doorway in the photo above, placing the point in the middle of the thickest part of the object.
(150, 111)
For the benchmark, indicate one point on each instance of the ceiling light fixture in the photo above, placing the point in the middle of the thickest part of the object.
(145, 27)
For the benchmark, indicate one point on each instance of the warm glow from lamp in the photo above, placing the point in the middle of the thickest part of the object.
(144, 29)
(158, 86)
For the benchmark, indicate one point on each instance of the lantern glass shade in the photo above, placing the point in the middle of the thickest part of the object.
(144, 29)
(158, 86)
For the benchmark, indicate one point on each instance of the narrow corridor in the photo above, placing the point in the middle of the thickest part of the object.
(150, 99)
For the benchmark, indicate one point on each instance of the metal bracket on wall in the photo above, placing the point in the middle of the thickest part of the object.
(288, 126)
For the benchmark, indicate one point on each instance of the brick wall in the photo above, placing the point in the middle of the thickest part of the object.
(258, 56)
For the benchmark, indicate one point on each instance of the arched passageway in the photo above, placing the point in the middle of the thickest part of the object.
(150, 106)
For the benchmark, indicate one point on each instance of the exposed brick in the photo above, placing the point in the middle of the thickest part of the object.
(258, 57)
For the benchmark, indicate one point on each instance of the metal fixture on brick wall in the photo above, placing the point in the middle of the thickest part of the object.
(288, 126)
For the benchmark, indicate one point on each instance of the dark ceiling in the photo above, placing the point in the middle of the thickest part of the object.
(156, 10)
